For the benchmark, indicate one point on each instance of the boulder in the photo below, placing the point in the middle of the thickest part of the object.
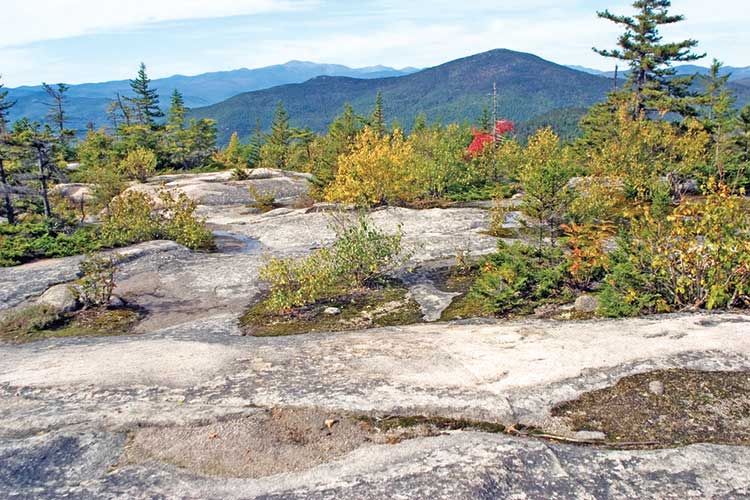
(77, 193)
(332, 311)
(586, 304)
(61, 297)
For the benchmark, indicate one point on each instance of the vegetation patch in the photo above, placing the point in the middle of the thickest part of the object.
(383, 305)
(39, 322)
(667, 408)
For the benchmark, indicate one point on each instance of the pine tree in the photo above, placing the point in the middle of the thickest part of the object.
(377, 120)
(742, 139)
(420, 123)
(145, 101)
(176, 116)
(345, 126)
(256, 142)
(652, 80)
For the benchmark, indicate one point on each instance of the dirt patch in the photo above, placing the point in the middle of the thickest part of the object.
(390, 305)
(667, 408)
(279, 440)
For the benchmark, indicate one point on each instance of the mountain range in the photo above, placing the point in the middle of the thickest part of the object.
(88, 102)
(530, 91)
(736, 73)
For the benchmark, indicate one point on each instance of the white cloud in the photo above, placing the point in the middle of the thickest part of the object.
(27, 21)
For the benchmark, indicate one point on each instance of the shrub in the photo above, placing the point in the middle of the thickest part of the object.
(94, 288)
(130, 219)
(518, 278)
(179, 223)
(377, 170)
(28, 241)
(359, 255)
(262, 201)
(587, 259)
(28, 320)
(362, 251)
(697, 257)
(139, 164)
(298, 282)
(133, 218)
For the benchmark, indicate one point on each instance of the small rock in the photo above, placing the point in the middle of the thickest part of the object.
(656, 388)
(586, 304)
(590, 436)
(332, 311)
(61, 297)
(330, 422)
(115, 301)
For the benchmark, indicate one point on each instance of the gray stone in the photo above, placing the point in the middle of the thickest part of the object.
(656, 388)
(115, 301)
(590, 436)
(77, 193)
(61, 297)
(586, 304)
(332, 311)
(431, 301)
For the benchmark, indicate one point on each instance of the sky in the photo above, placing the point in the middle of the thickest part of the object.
(76, 41)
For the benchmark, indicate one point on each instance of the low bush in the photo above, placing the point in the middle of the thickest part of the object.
(139, 164)
(133, 218)
(29, 241)
(97, 282)
(518, 278)
(697, 257)
(21, 323)
(360, 255)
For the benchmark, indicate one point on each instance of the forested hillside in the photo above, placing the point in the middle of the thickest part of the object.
(457, 91)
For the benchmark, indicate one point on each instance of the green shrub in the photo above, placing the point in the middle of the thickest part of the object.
(518, 278)
(139, 164)
(180, 224)
(133, 218)
(362, 251)
(28, 320)
(360, 255)
(94, 288)
(298, 282)
(29, 241)
(697, 257)
(130, 219)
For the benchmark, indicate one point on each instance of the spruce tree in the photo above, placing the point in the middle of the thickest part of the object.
(145, 101)
(281, 133)
(485, 121)
(176, 116)
(377, 120)
(652, 81)
(56, 113)
(719, 117)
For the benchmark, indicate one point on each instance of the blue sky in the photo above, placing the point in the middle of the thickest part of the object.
(97, 40)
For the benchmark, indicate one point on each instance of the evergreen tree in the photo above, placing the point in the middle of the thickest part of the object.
(377, 120)
(742, 139)
(346, 125)
(177, 110)
(5, 106)
(719, 117)
(485, 121)
(145, 101)
(420, 123)
(56, 112)
(281, 133)
(256, 142)
(652, 80)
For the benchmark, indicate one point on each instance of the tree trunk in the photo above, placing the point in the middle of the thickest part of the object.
(8, 204)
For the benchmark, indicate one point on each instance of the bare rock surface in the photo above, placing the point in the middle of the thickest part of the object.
(72, 408)
(57, 397)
